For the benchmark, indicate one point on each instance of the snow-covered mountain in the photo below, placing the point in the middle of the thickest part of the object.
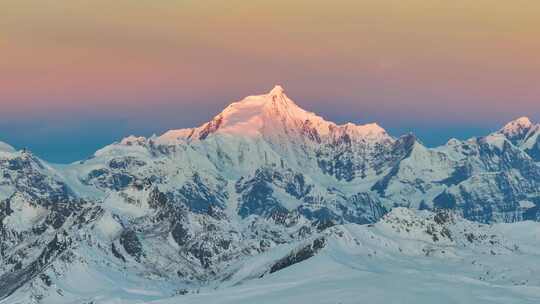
(407, 257)
(264, 186)
(524, 134)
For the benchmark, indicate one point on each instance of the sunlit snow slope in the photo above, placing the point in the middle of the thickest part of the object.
(268, 202)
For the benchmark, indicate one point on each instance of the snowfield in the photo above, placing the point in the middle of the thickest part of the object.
(269, 203)
(385, 263)
(407, 257)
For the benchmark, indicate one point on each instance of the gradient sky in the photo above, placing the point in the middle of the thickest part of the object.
(77, 75)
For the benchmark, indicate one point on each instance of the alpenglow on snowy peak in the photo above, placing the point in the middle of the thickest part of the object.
(262, 195)
(517, 129)
(272, 112)
(525, 134)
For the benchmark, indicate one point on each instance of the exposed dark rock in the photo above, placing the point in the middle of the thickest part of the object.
(199, 197)
(211, 127)
(299, 256)
(11, 281)
(126, 163)
(117, 253)
(459, 175)
(180, 234)
(257, 198)
(131, 244)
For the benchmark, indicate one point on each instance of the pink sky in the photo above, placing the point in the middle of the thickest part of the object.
(406, 64)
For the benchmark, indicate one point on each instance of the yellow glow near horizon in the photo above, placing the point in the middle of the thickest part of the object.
(82, 47)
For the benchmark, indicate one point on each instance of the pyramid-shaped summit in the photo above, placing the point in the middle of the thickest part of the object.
(273, 112)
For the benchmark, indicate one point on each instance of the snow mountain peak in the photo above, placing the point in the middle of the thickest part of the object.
(270, 114)
(517, 130)
(524, 120)
(277, 91)
(262, 187)
(522, 123)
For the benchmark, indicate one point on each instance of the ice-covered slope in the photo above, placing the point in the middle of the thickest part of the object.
(269, 115)
(523, 133)
(271, 133)
(21, 172)
(407, 257)
(207, 207)
(489, 179)
(517, 130)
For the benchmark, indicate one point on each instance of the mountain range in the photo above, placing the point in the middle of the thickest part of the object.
(267, 199)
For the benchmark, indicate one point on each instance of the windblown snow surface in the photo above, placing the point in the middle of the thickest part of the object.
(398, 261)
(407, 257)
(269, 203)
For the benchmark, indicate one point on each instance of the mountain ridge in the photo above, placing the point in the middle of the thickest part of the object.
(176, 214)
(252, 113)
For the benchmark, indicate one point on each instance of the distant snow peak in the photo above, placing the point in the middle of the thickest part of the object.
(273, 115)
(364, 130)
(517, 126)
(132, 140)
(277, 91)
(524, 121)
(517, 130)
(4, 147)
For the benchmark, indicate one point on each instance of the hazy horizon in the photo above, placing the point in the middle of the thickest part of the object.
(64, 144)
(78, 75)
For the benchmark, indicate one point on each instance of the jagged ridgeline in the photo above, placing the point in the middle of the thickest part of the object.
(181, 211)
